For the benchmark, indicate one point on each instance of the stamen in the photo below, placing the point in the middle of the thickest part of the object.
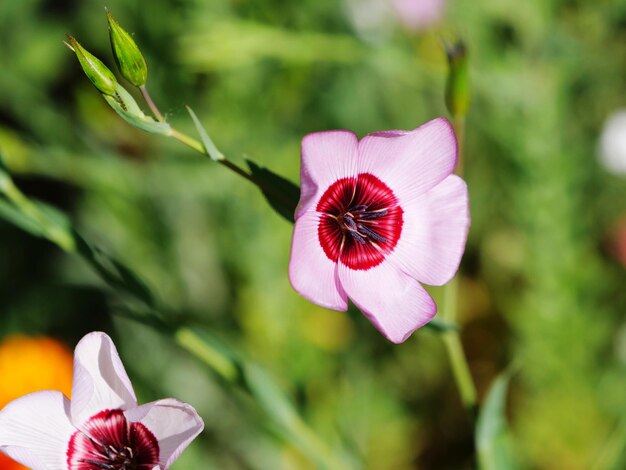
(349, 221)
(105, 466)
(370, 233)
(373, 214)
(357, 236)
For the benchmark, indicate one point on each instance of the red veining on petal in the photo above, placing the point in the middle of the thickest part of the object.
(360, 223)
(108, 441)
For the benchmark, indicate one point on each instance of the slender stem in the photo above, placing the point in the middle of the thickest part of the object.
(454, 347)
(217, 361)
(151, 104)
(452, 340)
(198, 147)
(188, 141)
(459, 126)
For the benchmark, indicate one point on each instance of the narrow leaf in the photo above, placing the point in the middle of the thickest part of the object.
(279, 192)
(209, 146)
(12, 215)
(114, 273)
(126, 106)
(493, 440)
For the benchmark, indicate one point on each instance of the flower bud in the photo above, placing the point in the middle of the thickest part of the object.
(99, 74)
(457, 86)
(129, 59)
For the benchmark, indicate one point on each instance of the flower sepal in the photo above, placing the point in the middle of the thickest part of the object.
(129, 59)
(98, 73)
(125, 105)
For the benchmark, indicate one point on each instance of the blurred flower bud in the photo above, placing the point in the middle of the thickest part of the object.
(130, 61)
(99, 74)
(612, 146)
(457, 86)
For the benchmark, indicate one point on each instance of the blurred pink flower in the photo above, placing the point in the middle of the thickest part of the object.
(102, 427)
(419, 14)
(376, 217)
(375, 19)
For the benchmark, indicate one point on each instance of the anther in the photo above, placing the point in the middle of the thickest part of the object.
(349, 221)
(357, 236)
(373, 214)
(372, 234)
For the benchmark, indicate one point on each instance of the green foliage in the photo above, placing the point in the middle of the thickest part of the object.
(539, 283)
(493, 438)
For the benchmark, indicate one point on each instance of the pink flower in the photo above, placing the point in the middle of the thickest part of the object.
(102, 427)
(419, 14)
(376, 217)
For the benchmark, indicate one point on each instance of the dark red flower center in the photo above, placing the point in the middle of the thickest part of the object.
(361, 221)
(109, 442)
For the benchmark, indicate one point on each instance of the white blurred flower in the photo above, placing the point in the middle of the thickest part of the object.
(613, 143)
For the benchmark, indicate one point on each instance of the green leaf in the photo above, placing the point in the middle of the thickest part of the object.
(3, 167)
(12, 215)
(114, 273)
(209, 146)
(493, 440)
(126, 106)
(279, 192)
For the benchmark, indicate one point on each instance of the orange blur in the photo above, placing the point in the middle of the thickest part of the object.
(31, 364)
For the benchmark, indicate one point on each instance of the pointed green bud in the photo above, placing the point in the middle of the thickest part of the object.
(99, 74)
(128, 57)
(457, 85)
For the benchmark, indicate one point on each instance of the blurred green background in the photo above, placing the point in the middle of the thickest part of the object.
(540, 284)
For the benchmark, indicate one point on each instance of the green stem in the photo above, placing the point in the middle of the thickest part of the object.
(198, 147)
(452, 339)
(151, 104)
(459, 126)
(454, 348)
(216, 360)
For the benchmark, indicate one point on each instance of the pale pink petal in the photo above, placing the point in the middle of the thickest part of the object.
(326, 157)
(434, 233)
(173, 423)
(393, 301)
(100, 381)
(418, 14)
(410, 162)
(312, 274)
(35, 430)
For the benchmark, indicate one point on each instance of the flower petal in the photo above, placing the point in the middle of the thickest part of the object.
(312, 274)
(175, 424)
(434, 233)
(35, 430)
(100, 381)
(394, 302)
(410, 162)
(326, 157)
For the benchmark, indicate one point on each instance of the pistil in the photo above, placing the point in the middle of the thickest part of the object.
(354, 222)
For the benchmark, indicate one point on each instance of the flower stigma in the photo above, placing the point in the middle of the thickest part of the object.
(361, 221)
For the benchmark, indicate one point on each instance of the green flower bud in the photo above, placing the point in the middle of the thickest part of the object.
(457, 85)
(128, 57)
(99, 74)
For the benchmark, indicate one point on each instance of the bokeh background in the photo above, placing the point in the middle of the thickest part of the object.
(543, 281)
